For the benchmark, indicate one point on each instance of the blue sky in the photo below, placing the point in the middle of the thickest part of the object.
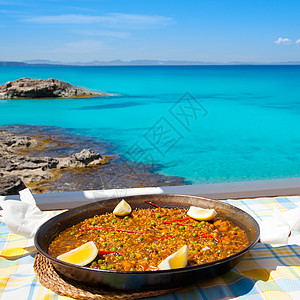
(211, 30)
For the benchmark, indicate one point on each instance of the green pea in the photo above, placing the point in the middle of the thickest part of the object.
(163, 218)
(132, 255)
(195, 234)
(106, 220)
(120, 257)
(179, 216)
(219, 251)
(174, 239)
(181, 227)
(104, 244)
(100, 261)
(195, 242)
(140, 238)
(126, 218)
(116, 239)
(157, 215)
(137, 228)
(94, 263)
(103, 268)
(114, 221)
(235, 228)
(132, 269)
(194, 225)
(113, 249)
(94, 223)
(153, 224)
(213, 244)
(146, 258)
(122, 223)
(195, 251)
(229, 252)
(199, 226)
(174, 224)
(72, 233)
(111, 266)
(202, 222)
(120, 245)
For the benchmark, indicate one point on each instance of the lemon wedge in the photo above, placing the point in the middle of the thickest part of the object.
(201, 214)
(17, 252)
(122, 209)
(81, 255)
(175, 260)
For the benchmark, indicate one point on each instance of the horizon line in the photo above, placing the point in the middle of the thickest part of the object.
(141, 62)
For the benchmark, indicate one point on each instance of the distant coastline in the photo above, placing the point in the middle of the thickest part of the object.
(30, 63)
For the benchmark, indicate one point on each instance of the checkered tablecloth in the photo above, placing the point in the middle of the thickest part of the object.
(266, 272)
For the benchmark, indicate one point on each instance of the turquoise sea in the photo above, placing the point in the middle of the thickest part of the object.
(204, 123)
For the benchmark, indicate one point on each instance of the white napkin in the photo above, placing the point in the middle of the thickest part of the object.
(22, 216)
(277, 229)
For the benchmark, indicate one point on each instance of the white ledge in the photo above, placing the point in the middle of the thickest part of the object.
(230, 190)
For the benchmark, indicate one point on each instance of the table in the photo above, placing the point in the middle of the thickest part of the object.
(266, 272)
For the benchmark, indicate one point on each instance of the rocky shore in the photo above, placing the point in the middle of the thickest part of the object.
(37, 88)
(41, 159)
(17, 167)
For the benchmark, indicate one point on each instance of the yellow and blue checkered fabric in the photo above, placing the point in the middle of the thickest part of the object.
(266, 272)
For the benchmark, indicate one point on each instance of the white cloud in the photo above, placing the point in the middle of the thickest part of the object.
(142, 19)
(67, 19)
(80, 47)
(283, 41)
(298, 42)
(110, 19)
(104, 33)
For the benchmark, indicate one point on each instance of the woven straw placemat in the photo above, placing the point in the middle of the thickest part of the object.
(50, 279)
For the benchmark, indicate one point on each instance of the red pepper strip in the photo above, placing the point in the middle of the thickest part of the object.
(206, 236)
(125, 230)
(108, 252)
(112, 229)
(164, 237)
(151, 203)
(177, 220)
(190, 225)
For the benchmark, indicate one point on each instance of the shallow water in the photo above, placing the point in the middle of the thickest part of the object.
(234, 123)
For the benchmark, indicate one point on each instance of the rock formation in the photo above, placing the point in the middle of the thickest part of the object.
(84, 158)
(10, 185)
(38, 88)
(16, 167)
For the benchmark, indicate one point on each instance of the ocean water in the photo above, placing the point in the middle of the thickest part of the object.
(205, 123)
